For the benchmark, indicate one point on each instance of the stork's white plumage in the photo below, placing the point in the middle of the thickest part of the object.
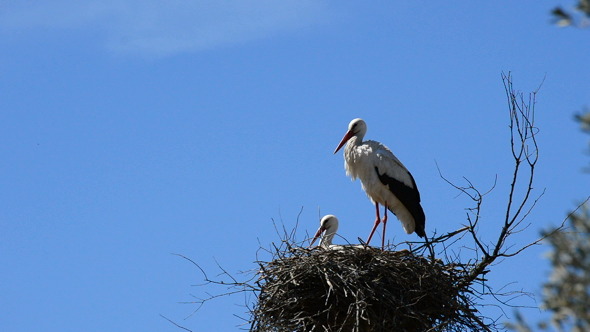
(329, 225)
(384, 178)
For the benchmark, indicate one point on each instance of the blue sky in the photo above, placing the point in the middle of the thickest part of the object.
(130, 130)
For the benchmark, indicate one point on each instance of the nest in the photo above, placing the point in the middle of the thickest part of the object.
(361, 289)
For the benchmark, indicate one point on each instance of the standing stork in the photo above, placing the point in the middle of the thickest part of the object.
(384, 178)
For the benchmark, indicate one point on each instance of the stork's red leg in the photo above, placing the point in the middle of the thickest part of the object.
(377, 221)
(384, 224)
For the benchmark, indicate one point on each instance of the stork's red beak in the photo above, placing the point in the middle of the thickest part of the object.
(317, 235)
(345, 139)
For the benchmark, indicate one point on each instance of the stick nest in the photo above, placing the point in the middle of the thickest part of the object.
(361, 289)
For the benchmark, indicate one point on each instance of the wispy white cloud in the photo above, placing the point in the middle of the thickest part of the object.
(163, 27)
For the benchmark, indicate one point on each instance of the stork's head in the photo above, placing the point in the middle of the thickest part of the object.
(329, 225)
(356, 127)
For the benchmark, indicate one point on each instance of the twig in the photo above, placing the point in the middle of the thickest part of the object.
(175, 324)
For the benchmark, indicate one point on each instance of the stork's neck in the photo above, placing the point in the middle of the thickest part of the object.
(327, 238)
(354, 141)
(351, 147)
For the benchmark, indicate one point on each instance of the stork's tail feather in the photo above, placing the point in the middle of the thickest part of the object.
(420, 220)
(420, 231)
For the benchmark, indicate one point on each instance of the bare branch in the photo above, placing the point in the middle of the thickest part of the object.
(175, 324)
(519, 205)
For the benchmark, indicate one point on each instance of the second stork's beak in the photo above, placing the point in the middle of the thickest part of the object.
(317, 235)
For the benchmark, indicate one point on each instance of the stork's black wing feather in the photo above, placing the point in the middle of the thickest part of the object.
(409, 197)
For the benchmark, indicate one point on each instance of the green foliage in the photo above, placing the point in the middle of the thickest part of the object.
(584, 120)
(567, 293)
(578, 16)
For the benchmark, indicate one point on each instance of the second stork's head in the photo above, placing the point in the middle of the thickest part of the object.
(328, 226)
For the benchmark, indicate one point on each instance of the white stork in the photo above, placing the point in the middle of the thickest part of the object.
(329, 225)
(384, 178)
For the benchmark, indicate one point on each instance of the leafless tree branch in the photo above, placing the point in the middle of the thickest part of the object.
(521, 199)
(175, 324)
